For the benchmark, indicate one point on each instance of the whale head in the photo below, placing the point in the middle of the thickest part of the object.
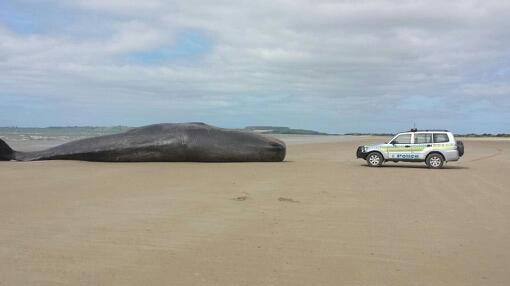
(214, 144)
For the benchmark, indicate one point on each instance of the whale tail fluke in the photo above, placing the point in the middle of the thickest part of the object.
(6, 153)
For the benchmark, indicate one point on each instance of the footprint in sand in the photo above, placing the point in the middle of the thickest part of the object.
(288, 200)
(240, 198)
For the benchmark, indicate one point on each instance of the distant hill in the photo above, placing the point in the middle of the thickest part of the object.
(369, 134)
(282, 130)
(483, 135)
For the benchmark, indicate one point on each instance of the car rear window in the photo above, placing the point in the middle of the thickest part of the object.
(441, 138)
(422, 138)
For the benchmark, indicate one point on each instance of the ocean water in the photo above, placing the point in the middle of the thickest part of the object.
(34, 139)
(296, 139)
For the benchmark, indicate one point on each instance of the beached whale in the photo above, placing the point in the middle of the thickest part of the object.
(167, 142)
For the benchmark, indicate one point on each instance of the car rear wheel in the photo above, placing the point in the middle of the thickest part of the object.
(435, 161)
(374, 159)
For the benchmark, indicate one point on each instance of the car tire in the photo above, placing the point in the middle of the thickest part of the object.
(460, 148)
(375, 159)
(435, 161)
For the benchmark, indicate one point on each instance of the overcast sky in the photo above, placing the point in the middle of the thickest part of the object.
(335, 66)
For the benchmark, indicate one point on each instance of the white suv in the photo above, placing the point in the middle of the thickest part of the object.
(434, 147)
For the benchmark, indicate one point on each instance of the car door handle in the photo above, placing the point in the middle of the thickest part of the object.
(407, 146)
(429, 145)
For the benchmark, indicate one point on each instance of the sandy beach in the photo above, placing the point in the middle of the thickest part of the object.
(319, 218)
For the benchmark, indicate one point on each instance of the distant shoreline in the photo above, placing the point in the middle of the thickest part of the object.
(101, 130)
(469, 135)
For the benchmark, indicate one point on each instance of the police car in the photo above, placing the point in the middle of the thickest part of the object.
(434, 147)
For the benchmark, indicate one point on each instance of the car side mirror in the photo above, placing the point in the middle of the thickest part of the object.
(393, 142)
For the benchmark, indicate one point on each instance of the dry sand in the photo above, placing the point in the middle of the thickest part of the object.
(321, 218)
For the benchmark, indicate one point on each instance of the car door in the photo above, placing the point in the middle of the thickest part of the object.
(421, 145)
(400, 147)
(441, 141)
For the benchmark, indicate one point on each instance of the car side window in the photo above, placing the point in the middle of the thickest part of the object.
(441, 138)
(402, 139)
(422, 138)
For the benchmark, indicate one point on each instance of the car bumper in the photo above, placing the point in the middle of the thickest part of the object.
(451, 155)
(360, 153)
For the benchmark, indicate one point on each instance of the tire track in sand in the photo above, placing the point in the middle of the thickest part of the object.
(498, 153)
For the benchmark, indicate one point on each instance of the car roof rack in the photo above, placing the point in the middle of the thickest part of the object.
(427, 130)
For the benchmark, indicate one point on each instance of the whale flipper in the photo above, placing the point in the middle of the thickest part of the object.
(6, 153)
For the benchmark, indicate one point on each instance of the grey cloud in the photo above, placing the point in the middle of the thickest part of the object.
(332, 58)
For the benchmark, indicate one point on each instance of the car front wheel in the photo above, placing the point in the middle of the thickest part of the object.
(374, 159)
(434, 161)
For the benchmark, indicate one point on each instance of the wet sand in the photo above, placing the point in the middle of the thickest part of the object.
(320, 218)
